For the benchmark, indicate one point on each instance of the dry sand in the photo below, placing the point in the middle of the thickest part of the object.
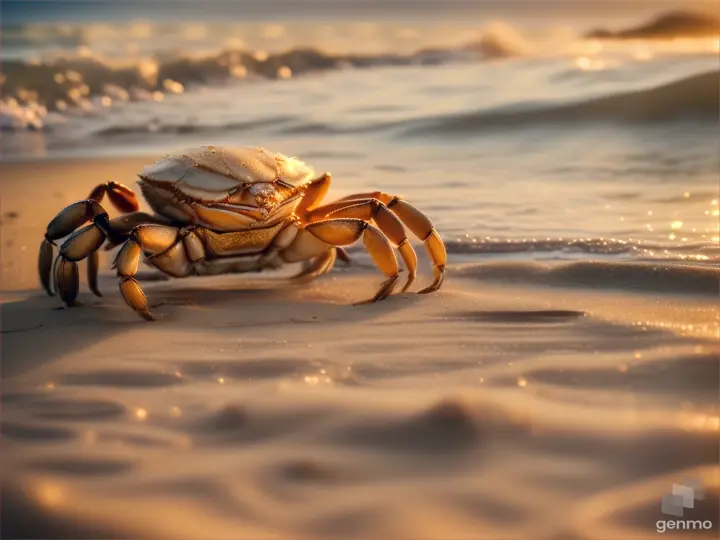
(522, 401)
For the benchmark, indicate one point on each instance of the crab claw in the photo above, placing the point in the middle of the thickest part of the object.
(67, 281)
(71, 217)
(122, 197)
(45, 264)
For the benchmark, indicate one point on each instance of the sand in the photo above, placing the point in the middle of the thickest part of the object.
(525, 400)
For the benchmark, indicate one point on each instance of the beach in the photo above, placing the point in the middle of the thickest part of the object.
(525, 400)
(562, 384)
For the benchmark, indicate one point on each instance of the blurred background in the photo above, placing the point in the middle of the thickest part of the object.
(540, 128)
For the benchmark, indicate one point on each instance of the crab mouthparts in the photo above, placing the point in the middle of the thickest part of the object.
(228, 202)
(246, 210)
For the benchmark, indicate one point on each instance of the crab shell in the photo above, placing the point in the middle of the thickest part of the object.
(223, 189)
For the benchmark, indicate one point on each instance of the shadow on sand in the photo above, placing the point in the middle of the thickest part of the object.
(36, 330)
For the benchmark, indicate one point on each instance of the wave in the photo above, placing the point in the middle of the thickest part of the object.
(84, 81)
(40, 92)
(188, 128)
(672, 25)
(701, 252)
(639, 276)
(696, 97)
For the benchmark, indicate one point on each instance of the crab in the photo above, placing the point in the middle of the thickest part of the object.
(218, 211)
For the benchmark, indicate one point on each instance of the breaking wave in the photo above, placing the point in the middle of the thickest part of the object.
(52, 71)
(82, 80)
(696, 97)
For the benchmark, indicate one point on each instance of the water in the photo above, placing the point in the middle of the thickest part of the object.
(517, 135)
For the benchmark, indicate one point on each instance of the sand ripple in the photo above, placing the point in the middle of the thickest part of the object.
(489, 410)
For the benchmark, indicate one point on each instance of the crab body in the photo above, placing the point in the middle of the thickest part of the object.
(225, 190)
(219, 211)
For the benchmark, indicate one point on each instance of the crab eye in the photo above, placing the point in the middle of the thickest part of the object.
(262, 189)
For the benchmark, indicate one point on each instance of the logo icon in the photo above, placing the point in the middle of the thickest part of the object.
(682, 496)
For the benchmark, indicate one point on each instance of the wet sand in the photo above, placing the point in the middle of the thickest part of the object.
(524, 400)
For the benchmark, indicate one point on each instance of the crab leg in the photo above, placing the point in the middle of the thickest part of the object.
(126, 263)
(382, 253)
(314, 193)
(45, 264)
(83, 242)
(388, 223)
(93, 268)
(317, 267)
(72, 217)
(414, 219)
(343, 255)
(122, 226)
(319, 237)
(77, 247)
(67, 281)
(166, 245)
